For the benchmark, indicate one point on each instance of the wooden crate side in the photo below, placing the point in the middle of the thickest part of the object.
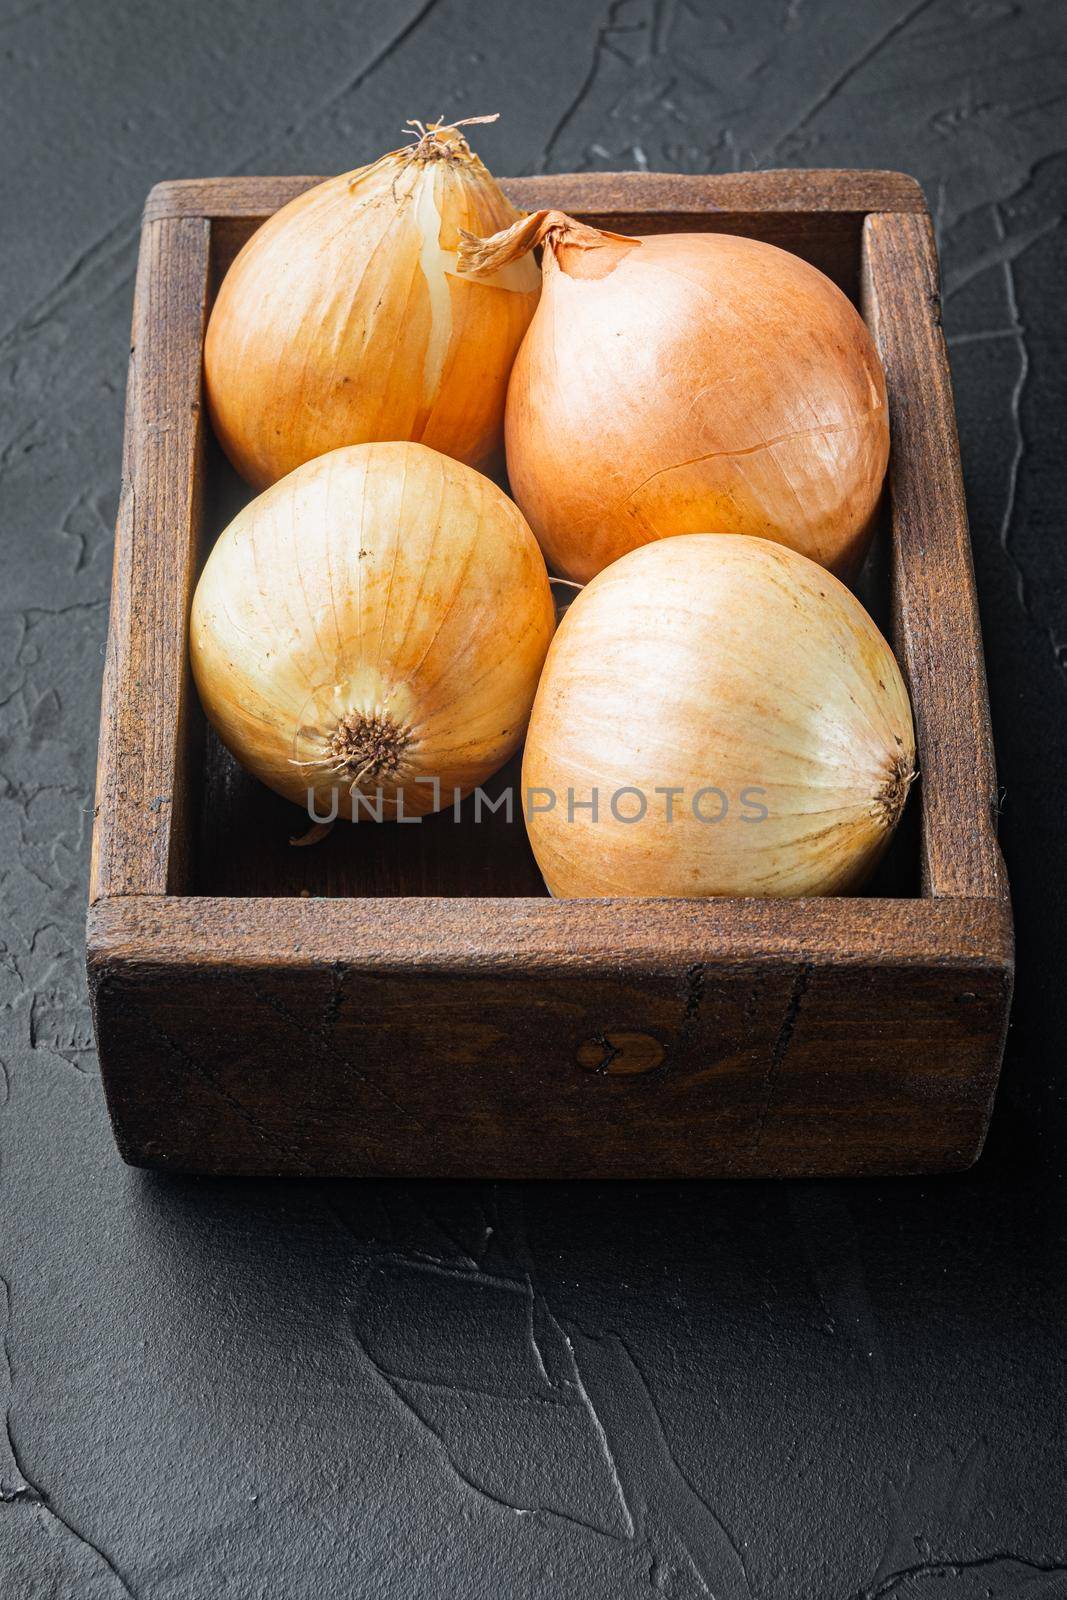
(829, 240)
(797, 190)
(817, 214)
(543, 1062)
(527, 934)
(141, 824)
(550, 1038)
(937, 626)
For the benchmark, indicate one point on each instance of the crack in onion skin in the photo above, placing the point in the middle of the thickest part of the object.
(717, 660)
(688, 383)
(344, 319)
(378, 617)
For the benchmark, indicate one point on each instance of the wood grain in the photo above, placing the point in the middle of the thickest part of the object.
(424, 932)
(938, 636)
(140, 842)
(815, 214)
(427, 1039)
(823, 191)
(829, 240)
(410, 1001)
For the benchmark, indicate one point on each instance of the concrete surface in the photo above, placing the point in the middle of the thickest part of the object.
(794, 1392)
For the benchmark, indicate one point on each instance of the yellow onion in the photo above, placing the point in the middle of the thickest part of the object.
(344, 320)
(375, 623)
(752, 684)
(688, 383)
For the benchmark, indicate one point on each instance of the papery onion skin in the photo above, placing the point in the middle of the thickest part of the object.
(377, 618)
(717, 661)
(343, 320)
(689, 383)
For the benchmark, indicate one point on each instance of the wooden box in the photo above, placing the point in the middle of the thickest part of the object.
(409, 1000)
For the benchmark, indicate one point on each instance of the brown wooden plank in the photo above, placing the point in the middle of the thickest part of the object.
(803, 190)
(465, 1040)
(830, 240)
(800, 190)
(506, 934)
(816, 214)
(142, 828)
(938, 632)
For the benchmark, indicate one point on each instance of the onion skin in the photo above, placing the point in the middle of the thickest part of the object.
(688, 383)
(380, 616)
(723, 661)
(344, 320)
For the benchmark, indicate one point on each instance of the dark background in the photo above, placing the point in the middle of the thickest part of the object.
(294, 1391)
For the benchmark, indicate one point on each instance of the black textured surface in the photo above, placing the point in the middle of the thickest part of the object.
(783, 1392)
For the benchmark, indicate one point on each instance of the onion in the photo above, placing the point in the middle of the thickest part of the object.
(688, 383)
(376, 621)
(736, 718)
(343, 320)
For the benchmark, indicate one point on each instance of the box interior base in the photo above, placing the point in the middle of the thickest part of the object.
(241, 830)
